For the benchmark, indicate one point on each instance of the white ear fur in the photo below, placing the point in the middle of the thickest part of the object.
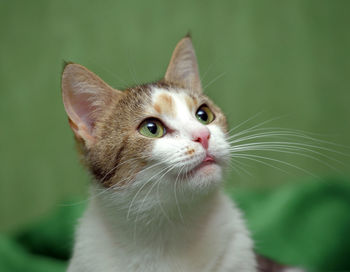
(183, 68)
(85, 95)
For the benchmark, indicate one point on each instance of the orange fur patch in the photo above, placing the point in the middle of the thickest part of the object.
(191, 103)
(164, 105)
(157, 108)
(190, 152)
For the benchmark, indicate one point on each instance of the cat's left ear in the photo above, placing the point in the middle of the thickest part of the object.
(183, 68)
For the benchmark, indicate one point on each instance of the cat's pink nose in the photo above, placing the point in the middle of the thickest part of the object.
(202, 136)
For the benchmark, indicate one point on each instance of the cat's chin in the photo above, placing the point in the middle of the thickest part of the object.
(204, 175)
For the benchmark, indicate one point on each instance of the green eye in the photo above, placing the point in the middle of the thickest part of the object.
(205, 115)
(152, 128)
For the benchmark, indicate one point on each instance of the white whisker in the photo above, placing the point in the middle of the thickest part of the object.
(175, 194)
(213, 80)
(250, 156)
(244, 122)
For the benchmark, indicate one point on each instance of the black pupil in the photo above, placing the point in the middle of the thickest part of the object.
(202, 115)
(152, 127)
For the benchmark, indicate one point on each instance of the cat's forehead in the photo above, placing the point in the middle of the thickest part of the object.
(172, 102)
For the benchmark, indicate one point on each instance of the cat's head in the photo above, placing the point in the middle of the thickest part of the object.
(167, 131)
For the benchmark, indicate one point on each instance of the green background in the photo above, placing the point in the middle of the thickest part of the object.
(287, 59)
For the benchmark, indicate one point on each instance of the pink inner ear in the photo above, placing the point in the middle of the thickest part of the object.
(83, 108)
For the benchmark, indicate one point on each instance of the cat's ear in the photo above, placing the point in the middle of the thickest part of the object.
(85, 97)
(183, 67)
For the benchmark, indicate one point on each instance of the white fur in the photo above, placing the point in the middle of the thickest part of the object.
(166, 220)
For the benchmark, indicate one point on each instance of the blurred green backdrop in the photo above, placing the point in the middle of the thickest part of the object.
(283, 58)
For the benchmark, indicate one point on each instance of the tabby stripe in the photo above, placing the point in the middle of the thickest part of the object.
(104, 176)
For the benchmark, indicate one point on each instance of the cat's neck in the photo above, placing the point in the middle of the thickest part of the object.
(144, 221)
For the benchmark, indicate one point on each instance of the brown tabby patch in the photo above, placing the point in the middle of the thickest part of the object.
(268, 265)
(120, 152)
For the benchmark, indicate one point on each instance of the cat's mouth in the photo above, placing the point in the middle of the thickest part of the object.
(208, 161)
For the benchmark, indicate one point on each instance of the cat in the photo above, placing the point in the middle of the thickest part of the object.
(157, 154)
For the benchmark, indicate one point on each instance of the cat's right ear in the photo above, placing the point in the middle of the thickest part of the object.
(85, 97)
(183, 68)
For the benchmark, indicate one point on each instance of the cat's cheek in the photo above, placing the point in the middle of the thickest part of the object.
(219, 147)
(166, 151)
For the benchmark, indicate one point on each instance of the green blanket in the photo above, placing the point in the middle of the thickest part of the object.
(304, 223)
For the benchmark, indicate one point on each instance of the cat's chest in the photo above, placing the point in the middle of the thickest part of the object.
(112, 253)
(111, 257)
(219, 244)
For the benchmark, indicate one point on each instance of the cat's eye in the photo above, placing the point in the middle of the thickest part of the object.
(205, 115)
(152, 128)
